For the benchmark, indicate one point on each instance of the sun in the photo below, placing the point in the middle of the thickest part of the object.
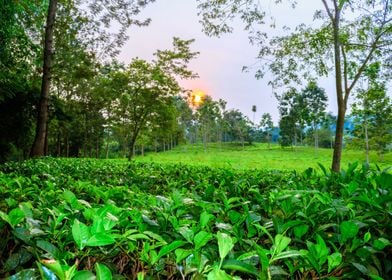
(197, 97)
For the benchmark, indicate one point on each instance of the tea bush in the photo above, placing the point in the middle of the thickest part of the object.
(97, 219)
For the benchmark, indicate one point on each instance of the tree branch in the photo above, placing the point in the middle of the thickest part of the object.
(327, 9)
(345, 73)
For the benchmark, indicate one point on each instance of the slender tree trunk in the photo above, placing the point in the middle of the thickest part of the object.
(132, 148)
(39, 144)
(58, 152)
(337, 151)
(366, 141)
(97, 148)
(315, 132)
(295, 139)
(205, 139)
(67, 146)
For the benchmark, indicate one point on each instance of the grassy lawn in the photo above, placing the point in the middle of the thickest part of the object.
(259, 156)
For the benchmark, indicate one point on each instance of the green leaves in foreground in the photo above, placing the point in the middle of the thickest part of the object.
(14, 217)
(82, 236)
(65, 272)
(152, 221)
(225, 244)
(348, 230)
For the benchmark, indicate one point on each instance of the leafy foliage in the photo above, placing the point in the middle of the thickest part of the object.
(73, 219)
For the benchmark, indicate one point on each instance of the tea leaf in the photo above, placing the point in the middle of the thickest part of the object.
(348, 230)
(84, 275)
(5, 218)
(218, 274)
(31, 274)
(367, 237)
(181, 254)
(168, 248)
(80, 233)
(225, 244)
(300, 231)
(103, 272)
(281, 243)
(239, 266)
(201, 239)
(48, 247)
(285, 255)
(100, 239)
(204, 219)
(16, 216)
(334, 260)
(54, 266)
(381, 243)
(187, 233)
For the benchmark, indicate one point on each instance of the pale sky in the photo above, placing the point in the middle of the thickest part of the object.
(220, 62)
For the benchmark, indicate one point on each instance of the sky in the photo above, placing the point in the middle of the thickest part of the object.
(221, 60)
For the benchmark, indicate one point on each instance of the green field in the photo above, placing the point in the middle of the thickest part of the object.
(259, 156)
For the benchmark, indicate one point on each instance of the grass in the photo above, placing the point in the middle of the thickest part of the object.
(259, 156)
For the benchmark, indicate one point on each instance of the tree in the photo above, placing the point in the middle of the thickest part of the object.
(355, 33)
(315, 102)
(327, 132)
(238, 125)
(120, 12)
(254, 110)
(291, 109)
(145, 90)
(373, 114)
(40, 142)
(19, 87)
(267, 125)
(207, 116)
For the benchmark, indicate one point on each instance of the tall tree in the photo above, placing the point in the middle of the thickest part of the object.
(372, 114)
(267, 125)
(39, 147)
(19, 80)
(291, 110)
(238, 126)
(145, 90)
(207, 116)
(315, 101)
(99, 41)
(254, 110)
(353, 32)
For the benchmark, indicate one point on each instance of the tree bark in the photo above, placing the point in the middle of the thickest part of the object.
(337, 151)
(38, 148)
(366, 142)
(58, 152)
(67, 146)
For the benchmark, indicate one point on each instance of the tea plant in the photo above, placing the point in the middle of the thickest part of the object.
(92, 219)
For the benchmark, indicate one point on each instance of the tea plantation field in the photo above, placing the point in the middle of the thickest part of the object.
(111, 219)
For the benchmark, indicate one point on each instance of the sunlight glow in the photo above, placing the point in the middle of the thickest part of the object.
(197, 97)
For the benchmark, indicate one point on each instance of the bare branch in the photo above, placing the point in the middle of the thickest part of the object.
(327, 9)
